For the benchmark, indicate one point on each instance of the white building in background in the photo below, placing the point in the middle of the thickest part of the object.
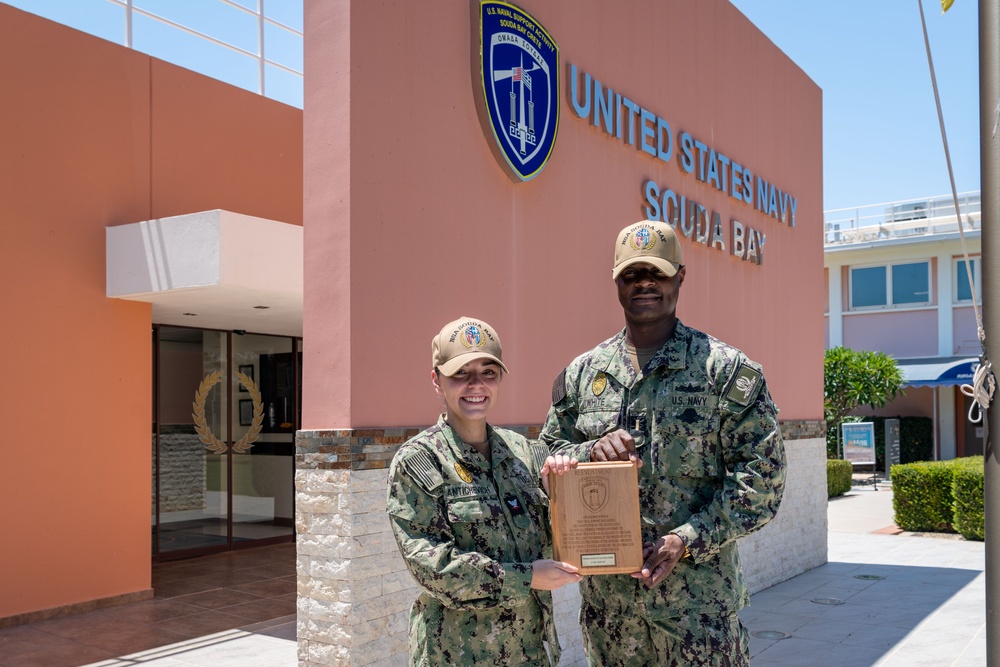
(897, 282)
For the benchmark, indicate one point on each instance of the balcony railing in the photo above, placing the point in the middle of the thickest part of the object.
(253, 44)
(894, 220)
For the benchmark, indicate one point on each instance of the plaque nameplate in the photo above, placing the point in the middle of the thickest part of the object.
(595, 517)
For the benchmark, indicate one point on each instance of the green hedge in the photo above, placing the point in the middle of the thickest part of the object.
(838, 477)
(916, 439)
(940, 496)
(967, 490)
(921, 496)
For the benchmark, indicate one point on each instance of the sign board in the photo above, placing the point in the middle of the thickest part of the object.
(891, 445)
(859, 443)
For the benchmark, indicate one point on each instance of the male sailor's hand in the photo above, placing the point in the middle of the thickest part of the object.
(615, 446)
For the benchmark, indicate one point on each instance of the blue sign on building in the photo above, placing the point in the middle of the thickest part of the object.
(519, 68)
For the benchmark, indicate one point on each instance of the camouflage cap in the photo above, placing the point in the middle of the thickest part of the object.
(648, 241)
(462, 341)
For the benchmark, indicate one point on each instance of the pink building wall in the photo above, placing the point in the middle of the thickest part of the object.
(880, 331)
(410, 222)
(965, 336)
(913, 402)
(826, 290)
(95, 134)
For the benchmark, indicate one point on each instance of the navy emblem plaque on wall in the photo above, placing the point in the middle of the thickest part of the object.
(519, 76)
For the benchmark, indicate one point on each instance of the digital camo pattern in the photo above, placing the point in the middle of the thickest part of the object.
(713, 465)
(706, 640)
(469, 532)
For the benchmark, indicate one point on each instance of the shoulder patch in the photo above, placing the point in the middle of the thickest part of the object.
(559, 387)
(744, 384)
(539, 453)
(420, 466)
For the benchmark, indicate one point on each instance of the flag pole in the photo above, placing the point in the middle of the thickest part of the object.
(989, 137)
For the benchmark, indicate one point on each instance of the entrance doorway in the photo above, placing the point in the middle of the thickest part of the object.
(225, 412)
(970, 436)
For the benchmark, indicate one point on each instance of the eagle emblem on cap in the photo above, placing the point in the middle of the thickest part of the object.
(642, 239)
(472, 337)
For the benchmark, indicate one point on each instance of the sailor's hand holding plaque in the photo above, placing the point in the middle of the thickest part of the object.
(658, 558)
(595, 510)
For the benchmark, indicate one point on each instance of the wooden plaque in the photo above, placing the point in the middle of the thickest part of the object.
(595, 517)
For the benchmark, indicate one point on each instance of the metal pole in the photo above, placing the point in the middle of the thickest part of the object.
(989, 105)
(937, 423)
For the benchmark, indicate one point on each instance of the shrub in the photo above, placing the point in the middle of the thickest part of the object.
(967, 491)
(922, 497)
(838, 477)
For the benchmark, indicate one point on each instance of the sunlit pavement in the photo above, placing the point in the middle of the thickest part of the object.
(885, 598)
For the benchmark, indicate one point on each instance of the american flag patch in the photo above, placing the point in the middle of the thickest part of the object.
(422, 469)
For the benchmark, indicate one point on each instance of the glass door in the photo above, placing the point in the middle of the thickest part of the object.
(264, 434)
(225, 415)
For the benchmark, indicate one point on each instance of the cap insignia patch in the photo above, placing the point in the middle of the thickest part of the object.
(473, 337)
(642, 239)
(463, 472)
(600, 383)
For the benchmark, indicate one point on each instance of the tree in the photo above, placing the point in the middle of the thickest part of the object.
(852, 379)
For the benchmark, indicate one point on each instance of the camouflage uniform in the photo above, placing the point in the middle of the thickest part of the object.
(469, 530)
(713, 470)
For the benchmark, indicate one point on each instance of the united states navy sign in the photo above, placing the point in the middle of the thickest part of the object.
(519, 75)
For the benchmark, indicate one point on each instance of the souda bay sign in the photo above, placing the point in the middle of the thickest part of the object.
(627, 121)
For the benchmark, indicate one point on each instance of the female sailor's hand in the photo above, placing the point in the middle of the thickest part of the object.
(548, 575)
(557, 464)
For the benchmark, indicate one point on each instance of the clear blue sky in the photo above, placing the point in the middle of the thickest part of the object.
(881, 138)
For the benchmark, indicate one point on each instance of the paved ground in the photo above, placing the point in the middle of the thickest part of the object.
(885, 598)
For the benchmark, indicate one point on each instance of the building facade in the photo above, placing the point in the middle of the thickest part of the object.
(146, 211)
(417, 212)
(898, 281)
(222, 278)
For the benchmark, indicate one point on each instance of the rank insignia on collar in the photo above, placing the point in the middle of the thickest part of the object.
(600, 383)
(463, 472)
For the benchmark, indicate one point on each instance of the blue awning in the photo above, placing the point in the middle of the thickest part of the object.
(937, 372)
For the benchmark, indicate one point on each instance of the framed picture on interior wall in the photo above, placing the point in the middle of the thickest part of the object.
(248, 371)
(246, 412)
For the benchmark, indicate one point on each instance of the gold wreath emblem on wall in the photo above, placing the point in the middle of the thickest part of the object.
(205, 434)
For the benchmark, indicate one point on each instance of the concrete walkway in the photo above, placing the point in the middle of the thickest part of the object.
(885, 598)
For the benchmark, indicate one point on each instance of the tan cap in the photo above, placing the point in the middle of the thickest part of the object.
(462, 341)
(648, 241)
